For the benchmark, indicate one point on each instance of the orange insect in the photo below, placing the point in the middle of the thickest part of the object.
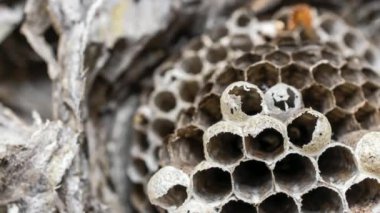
(302, 17)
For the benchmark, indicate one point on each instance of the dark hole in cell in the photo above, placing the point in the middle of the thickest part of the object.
(175, 196)
(165, 101)
(278, 203)
(301, 130)
(250, 99)
(225, 147)
(267, 144)
(337, 164)
(363, 193)
(252, 177)
(163, 127)
(321, 199)
(212, 184)
(238, 206)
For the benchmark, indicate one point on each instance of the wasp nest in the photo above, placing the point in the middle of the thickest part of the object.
(252, 118)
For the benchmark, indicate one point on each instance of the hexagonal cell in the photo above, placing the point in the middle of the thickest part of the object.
(322, 199)
(278, 203)
(165, 101)
(367, 116)
(295, 173)
(288, 46)
(296, 75)
(186, 149)
(330, 26)
(212, 184)
(369, 56)
(167, 188)
(352, 74)
(327, 75)
(192, 64)
(309, 55)
(141, 140)
(372, 93)
(225, 148)
(337, 164)
(163, 127)
(243, 20)
(263, 49)
(371, 75)
(301, 129)
(176, 196)
(318, 97)
(217, 33)
(341, 122)
(363, 195)
(278, 57)
(249, 98)
(140, 167)
(246, 60)
(209, 110)
(138, 196)
(332, 56)
(229, 75)
(241, 42)
(188, 90)
(352, 41)
(195, 44)
(348, 96)
(216, 53)
(238, 206)
(264, 75)
(268, 144)
(252, 180)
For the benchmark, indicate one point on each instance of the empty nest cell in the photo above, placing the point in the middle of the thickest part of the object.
(252, 180)
(264, 49)
(319, 98)
(175, 196)
(140, 167)
(249, 98)
(163, 127)
(218, 33)
(295, 173)
(229, 75)
(192, 64)
(278, 203)
(327, 75)
(364, 193)
(301, 129)
(264, 75)
(234, 206)
(296, 75)
(212, 184)
(353, 41)
(188, 90)
(337, 164)
(308, 55)
(165, 101)
(322, 199)
(368, 116)
(268, 144)
(225, 147)
(241, 42)
(186, 149)
(278, 57)
(348, 96)
(247, 59)
(216, 53)
(209, 110)
(243, 20)
(352, 74)
(372, 93)
(341, 122)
